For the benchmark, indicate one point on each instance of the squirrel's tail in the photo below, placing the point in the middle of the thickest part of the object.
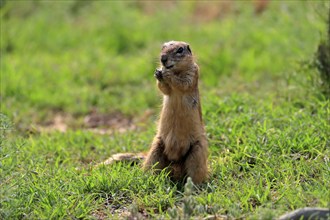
(133, 158)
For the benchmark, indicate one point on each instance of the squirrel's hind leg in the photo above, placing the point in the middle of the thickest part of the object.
(156, 158)
(196, 162)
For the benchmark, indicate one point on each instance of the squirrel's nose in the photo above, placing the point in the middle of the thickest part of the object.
(163, 59)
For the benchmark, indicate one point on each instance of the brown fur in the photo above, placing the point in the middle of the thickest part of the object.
(180, 142)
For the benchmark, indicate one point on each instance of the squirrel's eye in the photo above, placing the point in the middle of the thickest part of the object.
(180, 50)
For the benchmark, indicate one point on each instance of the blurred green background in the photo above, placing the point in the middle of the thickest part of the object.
(80, 56)
(77, 86)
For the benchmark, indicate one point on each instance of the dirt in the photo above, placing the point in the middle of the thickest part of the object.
(105, 123)
(100, 123)
(59, 122)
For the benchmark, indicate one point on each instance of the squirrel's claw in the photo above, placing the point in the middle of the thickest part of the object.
(158, 74)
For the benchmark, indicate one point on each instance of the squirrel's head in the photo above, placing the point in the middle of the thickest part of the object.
(176, 55)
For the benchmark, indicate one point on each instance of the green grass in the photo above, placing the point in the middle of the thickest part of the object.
(266, 116)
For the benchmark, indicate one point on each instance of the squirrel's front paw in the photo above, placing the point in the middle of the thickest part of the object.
(158, 74)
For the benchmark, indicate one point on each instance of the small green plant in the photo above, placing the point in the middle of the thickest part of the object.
(189, 207)
(188, 204)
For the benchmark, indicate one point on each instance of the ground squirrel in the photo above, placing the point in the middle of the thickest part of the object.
(180, 143)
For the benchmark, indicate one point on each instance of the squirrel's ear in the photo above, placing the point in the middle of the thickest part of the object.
(188, 48)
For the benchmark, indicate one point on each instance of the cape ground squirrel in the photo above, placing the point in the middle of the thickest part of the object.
(180, 143)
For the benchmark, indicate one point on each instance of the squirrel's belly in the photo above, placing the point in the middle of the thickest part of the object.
(178, 128)
(176, 148)
(177, 139)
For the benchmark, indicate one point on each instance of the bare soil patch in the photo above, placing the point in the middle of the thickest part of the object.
(101, 123)
(105, 123)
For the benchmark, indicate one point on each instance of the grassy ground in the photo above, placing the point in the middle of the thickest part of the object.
(77, 86)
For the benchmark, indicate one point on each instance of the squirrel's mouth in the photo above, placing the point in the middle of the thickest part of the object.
(169, 67)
